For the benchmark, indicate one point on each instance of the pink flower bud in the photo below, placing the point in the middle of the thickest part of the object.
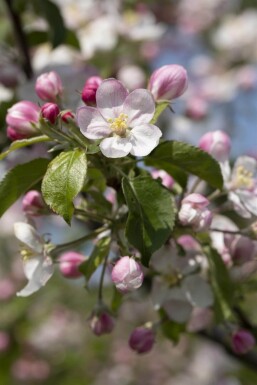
(166, 178)
(242, 250)
(49, 86)
(66, 116)
(50, 111)
(168, 82)
(33, 204)
(20, 118)
(69, 263)
(127, 275)
(216, 143)
(89, 90)
(102, 324)
(193, 212)
(242, 341)
(197, 108)
(142, 339)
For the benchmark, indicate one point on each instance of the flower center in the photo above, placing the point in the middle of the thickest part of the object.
(119, 125)
(26, 254)
(244, 178)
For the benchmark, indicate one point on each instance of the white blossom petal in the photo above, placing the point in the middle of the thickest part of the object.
(92, 124)
(198, 291)
(115, 147)
(177, 307)
(110, 97)
(29, 236)
(249, 200)
(139, 106)
(238, 205)
(38, 270)
(144, 139)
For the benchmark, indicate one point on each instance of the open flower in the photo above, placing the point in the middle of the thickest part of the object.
(38, 267)
(121, 120)
(242, 185)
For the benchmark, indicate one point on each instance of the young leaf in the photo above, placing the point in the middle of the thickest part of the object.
(100, 251)
(160, 107)
(19, 180)
(186, 158)
(223, 288)
(24, 143)
(151, 214)
(63, 181)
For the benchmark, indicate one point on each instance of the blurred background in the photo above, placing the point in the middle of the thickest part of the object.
(45, 338)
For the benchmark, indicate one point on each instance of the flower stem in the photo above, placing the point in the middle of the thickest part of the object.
(100, 291)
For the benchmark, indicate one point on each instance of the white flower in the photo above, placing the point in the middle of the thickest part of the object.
(38, 267)
(122, 119)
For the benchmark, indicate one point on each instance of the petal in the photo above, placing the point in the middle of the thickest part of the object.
(238, 205)
(139, 106)
(29, 236)
(144, 139)
(177, 307)
(39, 277)
(115, 147)
(249, 200)
(92, 124)
(198, 291)
(110, 97)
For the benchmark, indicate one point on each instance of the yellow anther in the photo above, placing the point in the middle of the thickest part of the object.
(119, 125)
(26, 254)
(244, 178)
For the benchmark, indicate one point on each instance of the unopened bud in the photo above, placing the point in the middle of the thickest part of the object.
(194, 213)
(168, 82)
(33, 204)
(242, 341)
(66, 116)
(217, 144)
(50, 111)
(20, 118)
(49, 86)
(102, 324)
(127, 274)
(142, 339)
(166, 178)
(88, 94)
(69, 264)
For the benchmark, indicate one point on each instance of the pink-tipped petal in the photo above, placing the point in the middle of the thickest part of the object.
(110, 97)
(144, 139)
(139, 106)
(115, 147)
(92, 124)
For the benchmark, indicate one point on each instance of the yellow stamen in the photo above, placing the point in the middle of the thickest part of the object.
(26, 254)
(244, 178)
(119, 125)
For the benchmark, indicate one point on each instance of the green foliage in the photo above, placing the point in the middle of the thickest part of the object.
(39, 37)
(151, 214)
(63, 181)
(101, 250)
(24, 143)
(19, 180)
(223, 287)
(172, 330)
(186, 158)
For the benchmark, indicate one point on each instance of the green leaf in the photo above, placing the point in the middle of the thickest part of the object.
(37, 37)
(172, 330)
(98, 255)
(223, 287)
(151, 214)
(63, 181)
(24, 143)
(188, 159)
(160, 107)
(19, 180)
(117, 299)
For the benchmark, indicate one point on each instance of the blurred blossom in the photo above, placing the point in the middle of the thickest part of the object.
(127, 274)
(102, 323)
(33, 204)
(247, 77)
(166, 178)
(242, 341)
(200, 319)
(217, 144)
(69, 264)
(4, 341)
(49, 86)
(7, 288)
(132, 77)
(196, 108)
(142, 339)
(30, 369)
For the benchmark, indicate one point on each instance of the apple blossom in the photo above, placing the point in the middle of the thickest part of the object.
(102, 324)
(37, 265)
(166, 178)
(50, 111)
(121, 120)
(69, 263)
(168, 82)
(127, 274)
(242, 341)
(33, 204)
(20, 119)
(49, 86)
(142, 339)
(216, 143)
(193, 212)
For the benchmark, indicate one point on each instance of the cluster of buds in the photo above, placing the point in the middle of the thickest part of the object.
(194, 212)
